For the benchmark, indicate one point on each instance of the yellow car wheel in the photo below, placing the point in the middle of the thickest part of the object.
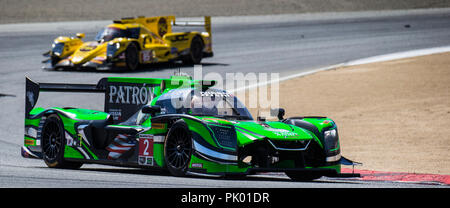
(196, 51)
(54, 60)
(132, 57)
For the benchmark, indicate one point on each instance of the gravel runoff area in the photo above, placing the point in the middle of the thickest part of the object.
(392, 116)
(15, 11)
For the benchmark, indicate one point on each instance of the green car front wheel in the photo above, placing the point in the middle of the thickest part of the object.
(178, 148)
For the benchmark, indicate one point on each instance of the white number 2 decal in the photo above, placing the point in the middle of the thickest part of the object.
(147, 144)
(146, 147)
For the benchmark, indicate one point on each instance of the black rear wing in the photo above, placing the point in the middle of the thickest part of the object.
(32, 90)
(123, 96)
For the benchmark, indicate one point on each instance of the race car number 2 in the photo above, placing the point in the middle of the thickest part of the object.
(145, 156)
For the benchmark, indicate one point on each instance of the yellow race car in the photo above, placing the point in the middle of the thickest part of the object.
(129, 42)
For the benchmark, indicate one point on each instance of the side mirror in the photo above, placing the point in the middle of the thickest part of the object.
(80, 35)
(152, 110)
(278, 112)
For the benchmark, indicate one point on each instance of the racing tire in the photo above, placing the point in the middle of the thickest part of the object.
(302, 176)
(178, 148)
(132, 57)
(195, 55)
(54, 60)
(53, 144)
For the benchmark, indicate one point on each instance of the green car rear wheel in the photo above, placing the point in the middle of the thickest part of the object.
(53, 144)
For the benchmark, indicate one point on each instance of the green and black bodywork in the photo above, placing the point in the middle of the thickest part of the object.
(158, 123)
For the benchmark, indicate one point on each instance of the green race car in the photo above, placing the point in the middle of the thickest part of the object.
(185, 126)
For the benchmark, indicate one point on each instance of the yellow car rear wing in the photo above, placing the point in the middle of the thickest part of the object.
(206, 23)
(161, 25)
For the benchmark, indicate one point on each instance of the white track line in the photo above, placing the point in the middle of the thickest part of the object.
(399, 55)
(373, 59)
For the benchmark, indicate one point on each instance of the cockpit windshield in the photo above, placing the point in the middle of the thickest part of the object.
(213, 102)
(109, 33)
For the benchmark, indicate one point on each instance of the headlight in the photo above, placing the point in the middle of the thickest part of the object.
(57, 49)
(331, 139)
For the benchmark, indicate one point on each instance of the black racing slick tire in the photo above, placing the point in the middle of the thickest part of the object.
(53, 143)
(54, 60)
(178, 148)
(132, 57)
(195, 55)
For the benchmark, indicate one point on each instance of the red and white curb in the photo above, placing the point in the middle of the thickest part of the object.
(370, 175)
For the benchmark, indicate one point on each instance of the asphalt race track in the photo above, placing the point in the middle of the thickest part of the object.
(283, 43)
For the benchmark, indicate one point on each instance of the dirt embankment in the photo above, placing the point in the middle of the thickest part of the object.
(392, 116)
(14, 11)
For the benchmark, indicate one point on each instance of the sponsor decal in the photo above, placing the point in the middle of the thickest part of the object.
(146, 161)
(122, 100)
(146, 136)
(81, 135)
(150, 20)
(156, 138)
(183, 37)
(80, 142)
(279, 132)
(158, 126)
(147, 55)
(197, 165)
(126, 94)
(145, 156)
(29, 141)
(162, 26)
(284, 133)
(215, 93)
(116, 114)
